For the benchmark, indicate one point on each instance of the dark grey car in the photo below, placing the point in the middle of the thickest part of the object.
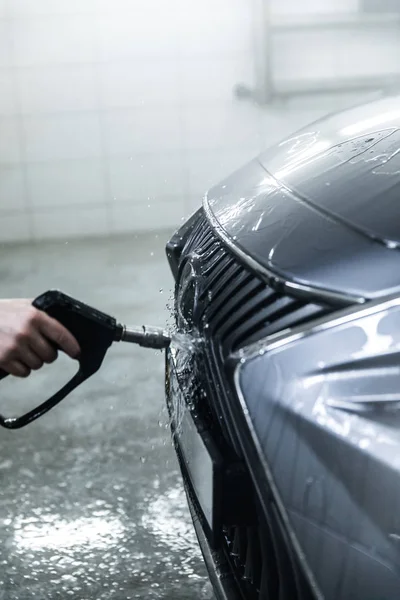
(285, 407)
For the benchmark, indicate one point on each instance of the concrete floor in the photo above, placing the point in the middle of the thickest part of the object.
(92, 506)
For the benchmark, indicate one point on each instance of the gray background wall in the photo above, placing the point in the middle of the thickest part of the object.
(116, 115)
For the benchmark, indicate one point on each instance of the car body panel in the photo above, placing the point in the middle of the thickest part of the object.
(325, 409)
(322, 208)
(349, 165)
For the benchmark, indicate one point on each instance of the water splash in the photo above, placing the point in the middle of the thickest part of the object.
(186, 342)
(185, 388)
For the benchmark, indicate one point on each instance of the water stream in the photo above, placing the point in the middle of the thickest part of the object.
(186, 390)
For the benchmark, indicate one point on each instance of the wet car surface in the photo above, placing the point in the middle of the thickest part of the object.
(289, 274)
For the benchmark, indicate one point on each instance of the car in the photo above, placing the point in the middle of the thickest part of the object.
(284, 389)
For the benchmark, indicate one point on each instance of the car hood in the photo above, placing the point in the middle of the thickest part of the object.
(323, 207)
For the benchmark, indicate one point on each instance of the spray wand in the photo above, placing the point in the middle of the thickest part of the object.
(95, 332)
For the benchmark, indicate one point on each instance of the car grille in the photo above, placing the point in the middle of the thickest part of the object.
(263, 561)
(236, 308)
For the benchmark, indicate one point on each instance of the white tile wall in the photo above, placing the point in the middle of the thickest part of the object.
(12, 190)
(138, 83)
(10, 146)
(66, 223)
(7, 98)
(143, 130)
(27, 8)
(5, 44)
(226, 34)
(135, 217)
(15, 227)
(137, 34)
(51, 89)
(142, 178)
(66, 183)
(62, 136)
(206, 83)
(225, 127)
(52, 40)
(327, 53)
(313, 6)
(346, 59)
(109, 106)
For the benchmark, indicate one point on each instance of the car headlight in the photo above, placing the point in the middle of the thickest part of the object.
(350, 361)
(323, 395)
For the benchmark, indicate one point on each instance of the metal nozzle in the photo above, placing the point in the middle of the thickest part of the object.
(147, 337)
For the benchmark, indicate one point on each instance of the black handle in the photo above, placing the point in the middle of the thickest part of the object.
(94, 331)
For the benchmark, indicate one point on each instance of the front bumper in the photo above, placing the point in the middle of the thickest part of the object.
(248, 558)
(200, 463)
(218, 298)
(218, 567)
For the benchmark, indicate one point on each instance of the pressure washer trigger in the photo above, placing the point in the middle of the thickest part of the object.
(95, 332)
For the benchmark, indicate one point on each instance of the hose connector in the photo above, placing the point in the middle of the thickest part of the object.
(147, 337)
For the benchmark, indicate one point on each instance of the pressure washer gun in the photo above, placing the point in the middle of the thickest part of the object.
(95, 332)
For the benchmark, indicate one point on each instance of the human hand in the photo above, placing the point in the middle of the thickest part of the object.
(29, 338)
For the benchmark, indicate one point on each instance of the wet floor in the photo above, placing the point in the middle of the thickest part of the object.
(92, 506)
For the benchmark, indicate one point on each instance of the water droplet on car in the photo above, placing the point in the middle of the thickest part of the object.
(161, 290)
(142, 459)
